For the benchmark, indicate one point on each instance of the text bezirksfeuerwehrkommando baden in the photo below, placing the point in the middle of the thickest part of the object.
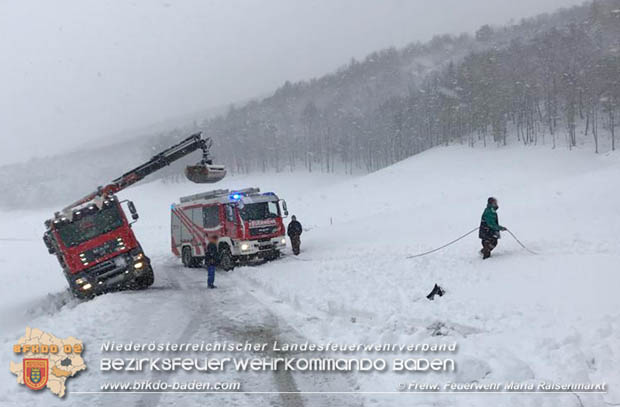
(289, 362)
(256, 364)
(275, 346)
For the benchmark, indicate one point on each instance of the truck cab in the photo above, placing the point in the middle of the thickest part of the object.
(96, 247)
(249, 225)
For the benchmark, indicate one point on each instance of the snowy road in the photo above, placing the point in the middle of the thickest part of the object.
(179, 309)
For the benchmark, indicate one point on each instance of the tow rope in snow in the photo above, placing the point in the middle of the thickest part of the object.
(464, 236)
(518, 241)
(445, 245)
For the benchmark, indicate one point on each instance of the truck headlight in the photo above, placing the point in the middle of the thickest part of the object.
(138, 265)
(139, 256)
(245, 246)
(283, 241)
(80, 281)
(87, 286)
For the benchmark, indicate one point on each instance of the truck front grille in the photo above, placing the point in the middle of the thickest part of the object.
(106, 270)
(263, 230)
(102, 268)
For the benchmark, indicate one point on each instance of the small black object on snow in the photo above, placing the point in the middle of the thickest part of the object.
(436, 291)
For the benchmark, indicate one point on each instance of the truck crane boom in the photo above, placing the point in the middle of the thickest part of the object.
(203, 172)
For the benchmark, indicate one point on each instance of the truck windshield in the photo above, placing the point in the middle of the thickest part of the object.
(259, 211)
(90, 226)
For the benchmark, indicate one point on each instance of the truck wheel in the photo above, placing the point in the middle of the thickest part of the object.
(227, 261)
(186, 256)
(188, 260)
(146, 279)
(274, 255)
(80, 295)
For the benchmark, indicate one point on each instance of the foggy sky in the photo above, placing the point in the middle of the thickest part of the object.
(72, 71)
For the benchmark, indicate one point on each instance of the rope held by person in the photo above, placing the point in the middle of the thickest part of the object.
(464, 236)
(444, 246)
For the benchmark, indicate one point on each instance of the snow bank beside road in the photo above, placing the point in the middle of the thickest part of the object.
(516, 317)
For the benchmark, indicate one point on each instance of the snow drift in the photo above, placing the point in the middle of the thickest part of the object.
(516, 317)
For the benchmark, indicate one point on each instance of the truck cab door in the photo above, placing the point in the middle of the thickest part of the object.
(230, 220)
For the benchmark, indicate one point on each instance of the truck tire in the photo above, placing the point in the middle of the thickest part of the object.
(227, 261)
(274, 255)
(188, 260)
(145, 280)
(80, 295)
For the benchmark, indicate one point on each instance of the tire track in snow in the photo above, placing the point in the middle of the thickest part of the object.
(264, 332)
(140, 320)
(243, 316)
(285, 332)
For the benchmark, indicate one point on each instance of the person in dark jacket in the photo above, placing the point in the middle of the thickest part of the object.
(212, 259)
(294, 232)
(489, 228)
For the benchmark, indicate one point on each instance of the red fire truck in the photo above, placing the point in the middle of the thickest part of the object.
(248, 223)
(92, 238)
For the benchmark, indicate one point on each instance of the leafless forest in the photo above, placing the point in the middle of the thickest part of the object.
(553, 80)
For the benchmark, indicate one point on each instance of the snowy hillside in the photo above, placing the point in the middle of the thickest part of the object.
(552, 316)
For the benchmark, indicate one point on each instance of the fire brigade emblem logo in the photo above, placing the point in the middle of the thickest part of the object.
(48, 362)
(36, 373)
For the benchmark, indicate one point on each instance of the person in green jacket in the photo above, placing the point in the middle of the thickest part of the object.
(489, 228)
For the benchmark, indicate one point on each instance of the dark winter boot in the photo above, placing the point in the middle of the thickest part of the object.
(486, 250)
(436, 291)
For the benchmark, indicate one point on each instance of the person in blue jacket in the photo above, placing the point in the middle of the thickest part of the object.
(490, 228)
(212, 259)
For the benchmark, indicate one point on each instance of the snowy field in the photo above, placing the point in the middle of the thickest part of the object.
(516, 317)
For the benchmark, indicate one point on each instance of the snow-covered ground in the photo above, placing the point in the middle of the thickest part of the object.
(516, 317)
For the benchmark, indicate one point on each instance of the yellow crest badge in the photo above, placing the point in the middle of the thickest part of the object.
(48, 361)
(36, 372)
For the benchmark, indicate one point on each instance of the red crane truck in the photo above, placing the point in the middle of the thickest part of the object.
(93, 239)
(249, 225)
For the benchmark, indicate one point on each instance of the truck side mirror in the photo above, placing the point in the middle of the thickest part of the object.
(230, 214)
(132, 210)
(48, 244)
(284, 208)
